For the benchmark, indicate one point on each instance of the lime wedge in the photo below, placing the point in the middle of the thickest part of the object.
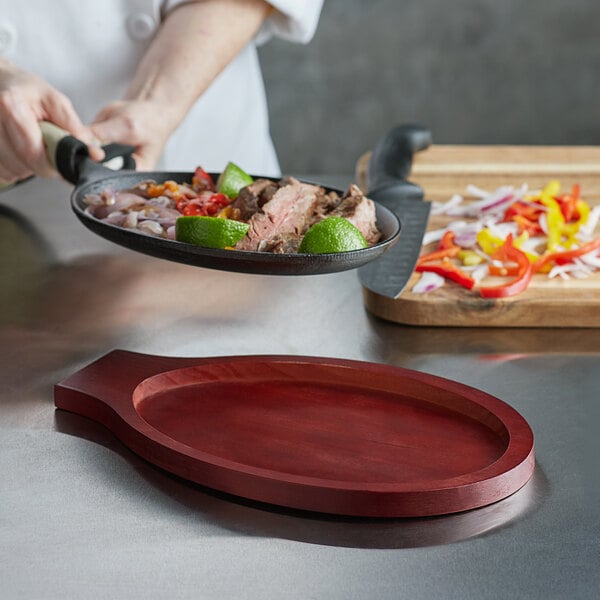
(210, 232)
(334, 234)
(232, 180)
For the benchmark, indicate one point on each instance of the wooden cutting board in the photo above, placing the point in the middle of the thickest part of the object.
(446, 170)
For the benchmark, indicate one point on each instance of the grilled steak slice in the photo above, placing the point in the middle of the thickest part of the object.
(327, 202)
(252, 197)
(287, 243)
(360, 211)
(288, 212)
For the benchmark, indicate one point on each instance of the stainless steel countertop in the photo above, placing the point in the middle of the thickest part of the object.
(83, 517)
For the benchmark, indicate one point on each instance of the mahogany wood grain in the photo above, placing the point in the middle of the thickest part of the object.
(446, 170)
(326, 435)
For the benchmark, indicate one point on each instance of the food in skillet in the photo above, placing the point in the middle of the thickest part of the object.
(261, 215)
(495, 245)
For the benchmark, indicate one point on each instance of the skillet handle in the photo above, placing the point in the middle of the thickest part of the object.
(70, 156)
(391, 162)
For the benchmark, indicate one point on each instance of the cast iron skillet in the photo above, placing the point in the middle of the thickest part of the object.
(73, 163)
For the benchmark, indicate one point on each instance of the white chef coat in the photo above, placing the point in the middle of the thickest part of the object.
(89, 50)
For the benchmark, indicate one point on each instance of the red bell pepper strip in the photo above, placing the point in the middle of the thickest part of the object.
(208, 208)
(446, 249)
(525, 224)
(448, 270)
(447, 241)
(561, 258)
(569, 204)
(530, 211)
(202, 180)
(508, 253)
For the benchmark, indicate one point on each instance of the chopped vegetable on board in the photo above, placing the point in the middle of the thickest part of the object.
(514, 236)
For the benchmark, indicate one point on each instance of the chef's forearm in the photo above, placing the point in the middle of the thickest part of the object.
(195, 43)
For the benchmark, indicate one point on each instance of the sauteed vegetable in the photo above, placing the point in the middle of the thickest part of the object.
(240, 212)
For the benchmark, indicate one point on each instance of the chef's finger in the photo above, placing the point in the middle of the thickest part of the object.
(17, 148)
(115, 128)
(122, 123)
(61, 112)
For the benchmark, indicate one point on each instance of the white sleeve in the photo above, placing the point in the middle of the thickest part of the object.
(291, 20)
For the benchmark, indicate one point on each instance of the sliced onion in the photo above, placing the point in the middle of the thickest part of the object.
(588, 227)
(531, 244)
(460, 228)
(477, 192)
(440, 208)
(591, 259)
(582, 269)
(115, 218)
(435, 235)
(427, 283)
(559, 271)
(493, 202)
(502, 230)
(131, 220)
(574, 269)
(93, 200)
(466, 238)
(151, 227)
(480, 272)
(544, 223)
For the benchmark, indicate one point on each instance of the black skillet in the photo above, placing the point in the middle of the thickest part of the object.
(73, 163)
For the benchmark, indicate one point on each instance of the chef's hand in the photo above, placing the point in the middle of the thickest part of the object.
(25, 100)
(139, 123)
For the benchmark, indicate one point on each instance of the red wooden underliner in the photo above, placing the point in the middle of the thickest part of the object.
(328, 435)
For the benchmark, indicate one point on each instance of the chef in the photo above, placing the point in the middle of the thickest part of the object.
(178, 80)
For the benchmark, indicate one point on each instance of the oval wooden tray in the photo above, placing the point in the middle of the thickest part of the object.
(327, 435)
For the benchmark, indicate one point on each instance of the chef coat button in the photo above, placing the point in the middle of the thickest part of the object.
(140, 26)
(8, 37)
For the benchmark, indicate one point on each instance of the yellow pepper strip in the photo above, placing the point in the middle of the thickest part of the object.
(469, 258)
(571, 229)
(554, 218)
(489, 242)
(561, 234)
(551, 189)
(555, 222)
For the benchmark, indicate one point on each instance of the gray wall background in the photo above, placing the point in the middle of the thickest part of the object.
(473, 71)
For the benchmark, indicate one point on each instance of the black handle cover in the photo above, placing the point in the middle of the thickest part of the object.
(74, 164)
(125, 152)
(391, 163)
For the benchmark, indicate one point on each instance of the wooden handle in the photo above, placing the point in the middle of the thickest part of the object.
(52, 135)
